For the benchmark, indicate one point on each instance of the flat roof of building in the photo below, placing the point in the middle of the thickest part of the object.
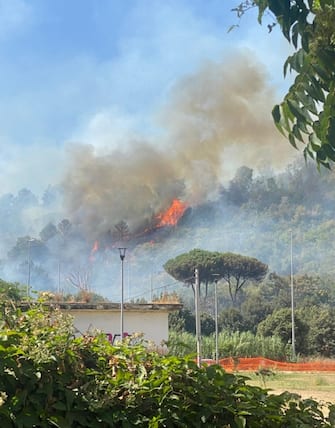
(108, 306)
(116, 306)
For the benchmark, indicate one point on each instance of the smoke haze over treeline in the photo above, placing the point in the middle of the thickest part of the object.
(215, 120)
(214, 147)
(253, 215)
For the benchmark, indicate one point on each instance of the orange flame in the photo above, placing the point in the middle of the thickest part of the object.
(95, 248)
(172, 215)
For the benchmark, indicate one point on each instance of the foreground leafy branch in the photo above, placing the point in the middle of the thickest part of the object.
(50, 378)
(307, 113)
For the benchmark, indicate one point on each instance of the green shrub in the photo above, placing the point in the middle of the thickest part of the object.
(231, 344)
(49, 378)
(279, 323)
(320, 337)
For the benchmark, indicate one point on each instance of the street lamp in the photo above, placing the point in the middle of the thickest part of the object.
(216, 279)
(122, 252)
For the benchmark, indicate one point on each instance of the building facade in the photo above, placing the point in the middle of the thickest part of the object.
(149, 319)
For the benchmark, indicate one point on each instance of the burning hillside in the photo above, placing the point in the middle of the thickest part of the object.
(217, 119)
(172, 215)
(160, 226)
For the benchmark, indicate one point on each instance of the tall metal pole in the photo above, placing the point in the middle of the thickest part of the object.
(122, 256)
(59, 270)
(197, 316)
(151, 288)
(216, 314)
(216, 321)
(292, 302)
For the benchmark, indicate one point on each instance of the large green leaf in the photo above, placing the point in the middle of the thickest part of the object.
(297, 111)
(276, 113)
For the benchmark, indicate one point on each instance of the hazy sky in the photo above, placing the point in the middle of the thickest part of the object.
(100, 72)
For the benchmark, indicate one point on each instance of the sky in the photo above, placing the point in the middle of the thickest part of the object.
(105, 74)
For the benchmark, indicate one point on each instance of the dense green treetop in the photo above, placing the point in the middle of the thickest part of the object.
(10, 291)
(279, 324)
(321, 336)
(234, 269)
(182, 267)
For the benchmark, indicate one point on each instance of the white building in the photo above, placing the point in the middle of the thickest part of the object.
(149, 319)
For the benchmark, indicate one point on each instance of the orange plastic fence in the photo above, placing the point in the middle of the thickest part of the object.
(257, 363)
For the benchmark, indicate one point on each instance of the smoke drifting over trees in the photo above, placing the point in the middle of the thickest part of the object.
(212, 147)
(215, 120)
(252, 216)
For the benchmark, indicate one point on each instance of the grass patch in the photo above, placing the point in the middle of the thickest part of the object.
(321, 381)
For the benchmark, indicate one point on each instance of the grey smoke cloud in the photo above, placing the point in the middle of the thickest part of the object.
(103, 190)
(217, 119)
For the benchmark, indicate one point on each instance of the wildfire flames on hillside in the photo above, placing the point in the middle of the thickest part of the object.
(172, 215)
(216, 120)
(164, 220)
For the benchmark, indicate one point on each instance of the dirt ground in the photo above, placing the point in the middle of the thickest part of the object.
(309, 379)
(319, 396)
(318, 386)
(324, 398)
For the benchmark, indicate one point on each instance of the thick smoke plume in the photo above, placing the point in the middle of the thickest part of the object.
(216, 120)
